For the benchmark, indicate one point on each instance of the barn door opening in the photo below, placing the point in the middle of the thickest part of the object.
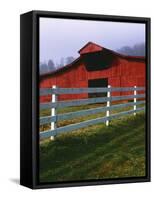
(103, 82)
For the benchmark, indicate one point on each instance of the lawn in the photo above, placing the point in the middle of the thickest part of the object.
(96, 152)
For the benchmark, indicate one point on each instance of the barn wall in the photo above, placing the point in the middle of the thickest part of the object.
(73, 78)
(122, 73)
(132, 73)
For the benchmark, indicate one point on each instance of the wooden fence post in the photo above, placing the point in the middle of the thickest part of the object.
(108, 105)
(53, 111)
(135, 93)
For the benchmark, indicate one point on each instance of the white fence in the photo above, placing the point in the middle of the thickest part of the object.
(54, 104)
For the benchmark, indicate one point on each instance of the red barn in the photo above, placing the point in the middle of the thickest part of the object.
(96, 67)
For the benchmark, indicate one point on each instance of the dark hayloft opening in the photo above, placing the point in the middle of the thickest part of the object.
(98, 60)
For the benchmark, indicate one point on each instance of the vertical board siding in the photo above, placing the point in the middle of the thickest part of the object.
(122, 73)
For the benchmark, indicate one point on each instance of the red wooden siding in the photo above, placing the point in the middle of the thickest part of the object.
(125, 71)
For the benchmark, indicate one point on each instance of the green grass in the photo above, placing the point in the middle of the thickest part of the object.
(81, 118)
(96, 152)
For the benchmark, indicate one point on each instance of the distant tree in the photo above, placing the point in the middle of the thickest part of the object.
(125, 50)
(139, 49)
(43, 68)
(62, 63)
(57, 65)
(69, 59)
(51, 65)
(136, 50)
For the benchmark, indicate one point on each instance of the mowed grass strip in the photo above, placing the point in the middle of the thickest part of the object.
(96, 152)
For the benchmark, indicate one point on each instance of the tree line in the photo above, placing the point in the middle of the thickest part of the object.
(136, 50)
(50, 65)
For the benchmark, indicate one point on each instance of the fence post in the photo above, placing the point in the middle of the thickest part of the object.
(108, 105)
(135, 93)
(53, 111)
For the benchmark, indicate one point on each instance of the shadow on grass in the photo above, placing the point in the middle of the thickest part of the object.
(96, 152)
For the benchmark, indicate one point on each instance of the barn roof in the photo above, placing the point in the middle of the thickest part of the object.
(91, 47)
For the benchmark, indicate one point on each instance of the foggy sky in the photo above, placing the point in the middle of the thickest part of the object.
(64, 37)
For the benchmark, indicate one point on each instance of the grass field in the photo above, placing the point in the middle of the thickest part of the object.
(96, 152)
(81, 118)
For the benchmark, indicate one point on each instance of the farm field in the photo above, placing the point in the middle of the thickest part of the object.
(95, 152)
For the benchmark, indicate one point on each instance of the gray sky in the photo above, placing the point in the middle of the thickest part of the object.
(64, 37)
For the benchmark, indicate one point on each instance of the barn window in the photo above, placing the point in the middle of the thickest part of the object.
(97, 83)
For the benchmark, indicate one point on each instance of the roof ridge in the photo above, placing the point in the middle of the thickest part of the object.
(88, 44)
(78, 59)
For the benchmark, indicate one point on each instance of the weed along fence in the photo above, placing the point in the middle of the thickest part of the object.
(136, 98)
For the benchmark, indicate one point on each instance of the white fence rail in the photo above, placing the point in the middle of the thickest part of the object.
(54, 104)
